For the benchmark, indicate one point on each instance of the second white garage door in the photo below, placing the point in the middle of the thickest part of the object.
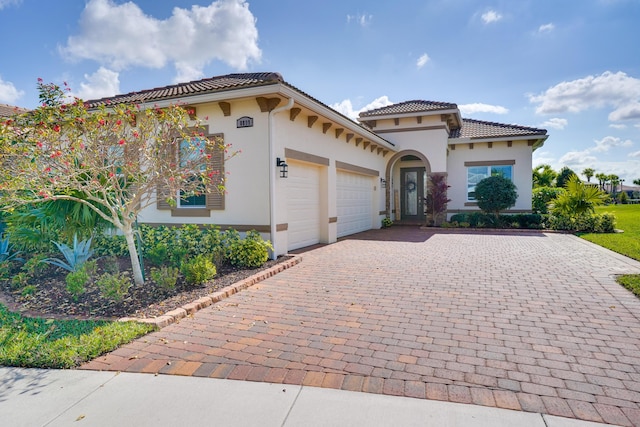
(355, 202)
(303, 205)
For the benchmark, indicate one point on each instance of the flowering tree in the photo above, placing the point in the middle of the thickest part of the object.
(436, 199)
(114, 160)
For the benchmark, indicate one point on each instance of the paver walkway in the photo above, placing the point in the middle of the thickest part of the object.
(525, 321)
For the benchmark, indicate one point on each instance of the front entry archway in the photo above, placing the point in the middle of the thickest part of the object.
(406, 184)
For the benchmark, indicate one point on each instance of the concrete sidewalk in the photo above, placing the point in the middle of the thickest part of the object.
(34, 397)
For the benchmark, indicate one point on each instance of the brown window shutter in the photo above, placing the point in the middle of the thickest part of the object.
(215, 199)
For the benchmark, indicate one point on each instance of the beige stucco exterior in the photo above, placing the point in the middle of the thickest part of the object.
(343, 176)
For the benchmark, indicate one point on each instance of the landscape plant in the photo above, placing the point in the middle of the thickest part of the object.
(198, 270)
(75, 257)
(114, 159)
(436, 200)
(114, 286)
(250, 252)
(496, 193)
(165, 277)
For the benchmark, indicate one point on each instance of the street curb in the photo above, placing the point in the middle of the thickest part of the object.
(192, 307)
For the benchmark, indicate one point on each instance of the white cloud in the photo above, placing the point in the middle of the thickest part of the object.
(546, 28)
(422, 61)
(361, 19)
(491, 17)
(634, 154)
(5, 3)
(8, 92)
(346, 106)
(617, 126)
(575, 159)
(555, 123)
(608, 142)
(482, 108)
(615, 90)
(101, 84)
(122, 35)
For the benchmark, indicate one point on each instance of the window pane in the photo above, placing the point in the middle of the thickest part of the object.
(193, 158)
(475, 174)
(504, 171)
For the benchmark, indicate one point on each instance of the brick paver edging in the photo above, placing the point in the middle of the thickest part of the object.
(189, 309)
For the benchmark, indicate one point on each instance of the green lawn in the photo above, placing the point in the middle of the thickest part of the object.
(626, 243)
(48, 343)
(628, 220)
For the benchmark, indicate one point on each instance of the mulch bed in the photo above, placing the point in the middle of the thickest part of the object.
(51, 299)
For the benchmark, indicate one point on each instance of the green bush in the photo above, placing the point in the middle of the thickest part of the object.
(542, 196)
(76, 281)
(587, 223)
(35, 266)
(158, 254)
(19, 280)
(198, 270)
(484, 220)
(250, 252)
(165, 277)
(110, 264)
(496, 193)
(386, 222)
(5, 270)
(114, 286)
(114, 245)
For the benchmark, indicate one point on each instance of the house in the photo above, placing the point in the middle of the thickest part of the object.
(308, 174)
(10, 110)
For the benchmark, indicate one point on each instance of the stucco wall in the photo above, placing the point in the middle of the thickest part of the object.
(245, 191)
(520, 152)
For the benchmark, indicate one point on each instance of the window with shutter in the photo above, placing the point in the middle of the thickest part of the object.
(210, 199)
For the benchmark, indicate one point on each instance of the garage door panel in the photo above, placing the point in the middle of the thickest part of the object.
(303, 205)
(354, 203)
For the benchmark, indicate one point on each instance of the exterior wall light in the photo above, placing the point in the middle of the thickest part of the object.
(284, 168)
(383, 183)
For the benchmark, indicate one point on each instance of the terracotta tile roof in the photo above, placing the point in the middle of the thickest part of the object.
(479, 129)
(197, 87)
(10, 110)
(409, 107)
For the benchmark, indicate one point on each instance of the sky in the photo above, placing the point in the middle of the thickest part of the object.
(569, 66)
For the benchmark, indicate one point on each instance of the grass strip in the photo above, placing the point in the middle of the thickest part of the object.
(631, 282)
(48, 343)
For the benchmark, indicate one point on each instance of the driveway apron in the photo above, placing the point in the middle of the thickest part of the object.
(528, 321)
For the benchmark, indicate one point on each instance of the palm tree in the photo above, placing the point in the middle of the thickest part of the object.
(602, 179)
(543, 176)
(588, 172)
(578, 199)
(636, 181)
(615, 180)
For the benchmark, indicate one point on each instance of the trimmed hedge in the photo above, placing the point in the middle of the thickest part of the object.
(484, 220)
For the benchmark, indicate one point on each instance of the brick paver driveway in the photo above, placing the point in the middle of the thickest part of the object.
(526, 321)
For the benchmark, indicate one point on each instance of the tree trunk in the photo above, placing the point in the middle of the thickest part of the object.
(127, 229)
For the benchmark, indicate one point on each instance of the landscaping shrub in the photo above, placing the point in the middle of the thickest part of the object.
(35, 265)
(588, 223)
(250, 252)
(485, 220)
(542, 196)
(386, 222)
(6, 251)
(114, 286)
(5, 269)
(76, 281)
(496, 193)
(165, 277)
(19, 280)
(114, 245)
(158, 254)
(198, 270)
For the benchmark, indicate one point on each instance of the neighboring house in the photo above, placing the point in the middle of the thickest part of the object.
(10, 110)
(341, 177)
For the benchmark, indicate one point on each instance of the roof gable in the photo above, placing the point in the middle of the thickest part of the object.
(478, 129)
(407, 107)
(197, 87)
(10, 110)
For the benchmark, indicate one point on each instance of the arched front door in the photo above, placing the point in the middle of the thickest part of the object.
(413, 182)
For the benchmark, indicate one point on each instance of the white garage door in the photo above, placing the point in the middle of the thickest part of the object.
(355, 202)
(303, 205)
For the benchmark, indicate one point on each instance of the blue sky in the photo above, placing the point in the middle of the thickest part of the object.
(569, 66)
